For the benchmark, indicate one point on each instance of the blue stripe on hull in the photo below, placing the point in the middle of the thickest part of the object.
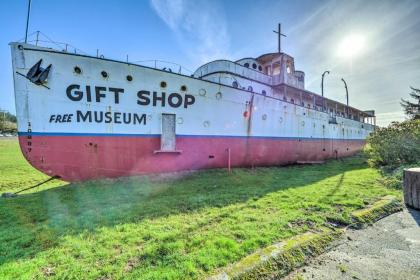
(178, 135)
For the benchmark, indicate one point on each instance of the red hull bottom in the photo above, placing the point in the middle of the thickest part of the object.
(76, 158)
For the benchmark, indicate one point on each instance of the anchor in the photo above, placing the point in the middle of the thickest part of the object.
(37, 74)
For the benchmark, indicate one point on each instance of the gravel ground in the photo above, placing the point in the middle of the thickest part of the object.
(389, 249)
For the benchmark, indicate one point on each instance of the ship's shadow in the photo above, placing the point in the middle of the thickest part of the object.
(35, 222)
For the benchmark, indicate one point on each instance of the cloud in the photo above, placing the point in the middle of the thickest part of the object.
(200, 27)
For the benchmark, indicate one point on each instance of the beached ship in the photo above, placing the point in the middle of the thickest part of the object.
(84, 117)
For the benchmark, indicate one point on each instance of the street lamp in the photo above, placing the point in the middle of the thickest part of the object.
(347, 96)
(322, 88)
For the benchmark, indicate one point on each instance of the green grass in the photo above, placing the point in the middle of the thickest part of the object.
(16, 173)
(186, 228)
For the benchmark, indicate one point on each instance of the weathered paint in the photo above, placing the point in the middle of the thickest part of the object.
(80, 157)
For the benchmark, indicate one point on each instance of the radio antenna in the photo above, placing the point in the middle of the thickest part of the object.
(27, 21)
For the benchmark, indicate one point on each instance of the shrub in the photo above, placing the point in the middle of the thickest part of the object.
(397, 144)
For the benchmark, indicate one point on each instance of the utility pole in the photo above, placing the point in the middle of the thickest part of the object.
(347, 96)
(27, 21)
(279, 34)
(322, 88)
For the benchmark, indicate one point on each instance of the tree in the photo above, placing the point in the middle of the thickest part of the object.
(7, 122)
(412, 109)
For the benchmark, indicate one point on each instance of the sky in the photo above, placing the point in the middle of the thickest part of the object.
(373, 45)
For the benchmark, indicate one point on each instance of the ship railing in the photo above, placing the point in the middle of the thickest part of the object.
(168, 66)
(38, 38)
(226, 66)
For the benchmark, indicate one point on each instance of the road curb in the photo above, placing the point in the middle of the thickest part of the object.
(281, 258)
(386, 206)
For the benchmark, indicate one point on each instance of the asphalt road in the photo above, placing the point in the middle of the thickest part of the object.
(389, 249)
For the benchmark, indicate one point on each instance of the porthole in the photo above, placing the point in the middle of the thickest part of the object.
(254, 65)
(218, 95)
(260, 67)
(129, 78)
(202, 92)
(264, 93)
(77, 70)
(246, 65)
(163, 84)
(250, 88)
(180, 120)
(183, 88)
(264, 117)
(235, 84)
(206, 124)
(20, 47)
(104, 74)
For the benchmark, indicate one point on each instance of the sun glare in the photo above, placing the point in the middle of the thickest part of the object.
(351, 46)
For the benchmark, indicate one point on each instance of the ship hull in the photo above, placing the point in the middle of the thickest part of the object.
(83, 157)
(82, 125)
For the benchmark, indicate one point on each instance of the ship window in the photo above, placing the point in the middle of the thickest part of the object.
(235, 84)
(288, 70)
(250, 88)
(163, 84)
(260, 67)
(129, 78)
(77, 70)
(104, 74)
(246, 65)
(264, 93)
(183, 88)
(167, 138)
(254, 65)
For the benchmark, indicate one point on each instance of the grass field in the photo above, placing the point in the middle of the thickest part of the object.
(133, 228)
(15, 172)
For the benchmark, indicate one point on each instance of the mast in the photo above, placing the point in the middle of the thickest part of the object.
(279, 34)
(27, 21)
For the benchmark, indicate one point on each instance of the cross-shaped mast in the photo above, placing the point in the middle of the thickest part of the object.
(279, 34)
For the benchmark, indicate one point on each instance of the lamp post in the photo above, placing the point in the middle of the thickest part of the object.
(322, 88)
(347, 96)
